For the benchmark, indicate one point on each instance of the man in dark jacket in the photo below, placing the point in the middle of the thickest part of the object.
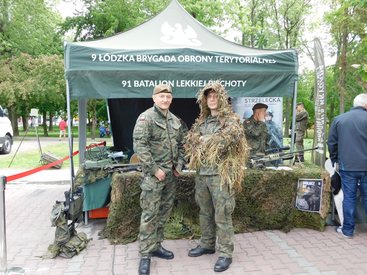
(347, 145)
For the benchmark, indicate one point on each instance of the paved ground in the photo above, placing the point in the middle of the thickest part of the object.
(300, 251)
(29, 232)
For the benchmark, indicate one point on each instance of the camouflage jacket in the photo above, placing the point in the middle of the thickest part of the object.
(257, 135)
(302, 121)
(215, 127)
(158, 141)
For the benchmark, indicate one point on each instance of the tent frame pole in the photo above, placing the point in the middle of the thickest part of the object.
(70, 137)
(294, 113)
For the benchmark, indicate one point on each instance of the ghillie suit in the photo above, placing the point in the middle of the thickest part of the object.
(226, 150)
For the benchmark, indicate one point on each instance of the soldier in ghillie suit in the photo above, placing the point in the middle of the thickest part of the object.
(256, 132)
(158, 143)
(301, 127)
(217, 150)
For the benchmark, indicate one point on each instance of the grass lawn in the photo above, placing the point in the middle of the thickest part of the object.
(32, 158)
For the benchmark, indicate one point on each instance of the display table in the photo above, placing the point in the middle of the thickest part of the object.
(267, 201)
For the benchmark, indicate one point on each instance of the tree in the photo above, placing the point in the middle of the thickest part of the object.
(28, 27)
(16, 85)
(249, 20)
(49, 92)
(348, 22)
(103, 18)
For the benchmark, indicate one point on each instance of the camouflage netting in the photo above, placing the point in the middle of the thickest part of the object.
(84, 176)
(267, 201)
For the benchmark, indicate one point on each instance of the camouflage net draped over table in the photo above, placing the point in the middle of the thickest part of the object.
(267, 201)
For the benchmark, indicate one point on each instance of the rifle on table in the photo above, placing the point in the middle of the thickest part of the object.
(259, 162)
(123, 167)
(111, 165)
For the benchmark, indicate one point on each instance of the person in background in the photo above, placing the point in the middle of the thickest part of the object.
(62, 128)
(347, 144)
(256, 132)
(217, 149)
(274, 130)
(301, 128)
(158, 143)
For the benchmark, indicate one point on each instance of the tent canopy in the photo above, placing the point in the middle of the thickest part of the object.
(174, 48)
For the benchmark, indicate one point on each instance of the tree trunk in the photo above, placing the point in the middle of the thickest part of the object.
(94, 126)
(50, 127)
(94, 120)
(343, 66)
(14, 120)
(25, 123)
(44, 124)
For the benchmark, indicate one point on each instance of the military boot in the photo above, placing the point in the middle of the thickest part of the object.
(144, 266)
(222, 264)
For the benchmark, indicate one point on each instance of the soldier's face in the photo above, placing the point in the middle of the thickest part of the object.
(212, 100)
(260, 114)
(163, 100)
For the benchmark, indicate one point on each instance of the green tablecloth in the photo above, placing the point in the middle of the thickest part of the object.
(97, 194)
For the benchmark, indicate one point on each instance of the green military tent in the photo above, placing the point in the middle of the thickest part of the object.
(172, 48)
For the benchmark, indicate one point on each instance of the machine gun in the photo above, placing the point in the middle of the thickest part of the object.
(261, 161)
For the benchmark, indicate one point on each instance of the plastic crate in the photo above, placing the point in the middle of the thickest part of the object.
(98, 213)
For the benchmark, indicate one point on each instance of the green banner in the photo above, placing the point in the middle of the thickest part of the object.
(109, 73)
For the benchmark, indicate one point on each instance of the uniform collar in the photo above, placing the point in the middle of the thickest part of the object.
(159, 110)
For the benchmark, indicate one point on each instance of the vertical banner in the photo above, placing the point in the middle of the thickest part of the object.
(274, 116)
(320, 104)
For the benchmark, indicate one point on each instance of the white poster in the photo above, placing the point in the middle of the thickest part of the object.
(274, 118)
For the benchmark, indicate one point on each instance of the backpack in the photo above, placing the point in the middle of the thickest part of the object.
(73, 247)
(68, 242)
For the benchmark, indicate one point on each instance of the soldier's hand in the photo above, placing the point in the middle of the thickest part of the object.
(175, 173)
(160, 175)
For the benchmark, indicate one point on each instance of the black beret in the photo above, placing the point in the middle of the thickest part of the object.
(259, 106)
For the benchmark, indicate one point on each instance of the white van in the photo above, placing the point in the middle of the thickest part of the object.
(6, 133)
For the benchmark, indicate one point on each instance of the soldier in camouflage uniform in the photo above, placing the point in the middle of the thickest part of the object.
(158, 138)
(214, 135)
(256, 132)
(301, 127)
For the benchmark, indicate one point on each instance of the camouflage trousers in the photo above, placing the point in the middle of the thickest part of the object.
(216, 208)
(156, 201)
(299, 141)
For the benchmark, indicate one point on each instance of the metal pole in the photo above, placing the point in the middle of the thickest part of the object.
(70, 136)
(3, 256)
(294, 105)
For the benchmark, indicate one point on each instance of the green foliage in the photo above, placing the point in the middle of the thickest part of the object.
(250, 20)
(108, 17)
(28, 27)
(306, 85)
(32, 82)
(268, 24)
(348, 21)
